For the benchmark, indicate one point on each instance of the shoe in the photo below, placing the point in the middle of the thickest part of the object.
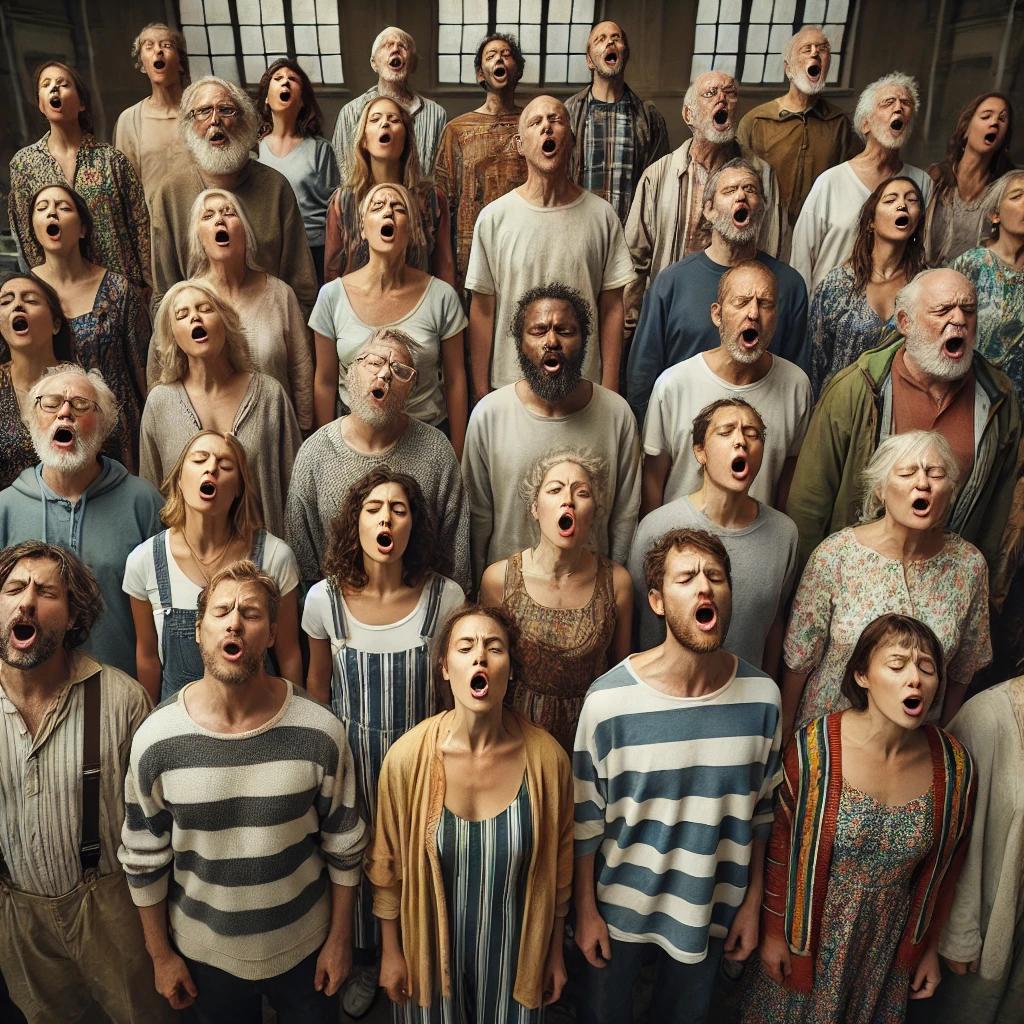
(360, 992)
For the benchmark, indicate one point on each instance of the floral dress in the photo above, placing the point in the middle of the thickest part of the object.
(16, 451)
(857, 981)
(846, 585)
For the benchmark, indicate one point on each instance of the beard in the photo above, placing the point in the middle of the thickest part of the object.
(741, 355)
(87, 448)
(47, 641)
(932, 360)
(228, 159)
(723, 224)
(890, 140)
(377, 417)
(684, 630)
(704, 126)
(807, 85)
(235, 674)
(553, 387)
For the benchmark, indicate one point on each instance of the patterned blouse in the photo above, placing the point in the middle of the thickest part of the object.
(846, 585)
(110, 187)
(840, 326)
(16, 451)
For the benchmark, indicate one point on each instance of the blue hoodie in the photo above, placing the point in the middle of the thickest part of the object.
(116, 512)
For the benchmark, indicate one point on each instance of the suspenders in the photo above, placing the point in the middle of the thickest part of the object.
(89, 846)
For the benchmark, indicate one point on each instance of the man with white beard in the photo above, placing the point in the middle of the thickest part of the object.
(218, 124)
(800, 134)
(930, 379)
(827, 226)
(82, 500)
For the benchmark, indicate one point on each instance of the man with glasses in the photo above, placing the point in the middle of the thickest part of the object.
(800, 134)
(82, 500)
(218, 125)
(375, 431)
(665, 220)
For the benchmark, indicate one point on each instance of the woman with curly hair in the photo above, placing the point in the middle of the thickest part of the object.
(290, 142)
(370, 625)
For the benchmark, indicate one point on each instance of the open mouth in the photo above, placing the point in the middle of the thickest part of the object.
(217, 136)
(285, 95)
(913, 705)
(706, 617)
(387, 230)
(749, 336)
(56, 102)
(221, 237)
(384, 138)
(920, 504)
(395, 62)
(813, 71)
(566, 524)
(739, 466)
(741, 216)
(23, 634)
(159, 64)
(385, 542)
(991, 135)
(552, 362)
(611, 57)
(720, 116)
(20, 324)
(64, 436)
(499, 71)
(954, 347)
(232, 650)
(199, 333)
(478, 685)
(902, 220)
(208, 489)
(896, 124)
(549, 146)
(378, 393)
(53, 230)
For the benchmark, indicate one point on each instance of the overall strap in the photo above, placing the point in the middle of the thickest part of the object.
(338, 614)
(259, 542)
(433, 608)
(89, 847)
(163, 576)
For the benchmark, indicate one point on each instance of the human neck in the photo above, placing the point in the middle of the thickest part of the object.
(227, 180)
(385, 273)
(28, 366)
(165, 97)
(870, 728)
(728, 254)
(206, 534)
(382, 578)
(230, 275)
(1009, 248)
(72, 485)
(938, 389)
(500, 101)
(209, 374)
(901, 542)
(708, 154)
(729, 509)
(386, 171)
(67, 267)
(235, 705)
(972, 173)
(878, 159)
(398, 91)
(284, 122)
(556, 562)
(608, 90)
(886, 257)
(573, 402)
(368, 439)
(796, 100)
(65, 138)
(722, 365)
(682, 672)
(548, 189)
(479, 732)
(38, 685)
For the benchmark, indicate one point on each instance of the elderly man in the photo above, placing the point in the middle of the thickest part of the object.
(740, 367)
(243, 838)
(553, 406)
(673, 326)
(930, 379)
(827, 226)
(70, 941)
(82, 500)
(393, 58)
(664, 222)
(477, 159)
(800, 134)
(376, 431)
(618, 135)
(218, 125)
(548, 229)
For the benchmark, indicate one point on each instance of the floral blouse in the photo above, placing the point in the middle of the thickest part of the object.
(110, 187)
(16, 451)
(847, 585)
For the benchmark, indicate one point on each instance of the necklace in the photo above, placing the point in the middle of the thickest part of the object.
(211, 562)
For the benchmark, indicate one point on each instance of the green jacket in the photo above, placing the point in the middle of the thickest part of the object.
(854, 414)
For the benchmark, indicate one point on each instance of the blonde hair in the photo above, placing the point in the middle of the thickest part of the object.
(242, 571)
(360, 176)
(198, 258)
(589, 461)
(171, 361)
(244, 517)
(898, 448)
(417, 240)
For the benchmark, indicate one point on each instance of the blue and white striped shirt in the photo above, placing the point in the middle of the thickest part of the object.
(670, 794)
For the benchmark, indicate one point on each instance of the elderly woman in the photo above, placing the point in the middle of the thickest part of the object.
(147, 132)
(222, 250)
(573, 608)
(856, 303)
(68, 154)
(388, 292)
(472, 868)
(290, 142)
(35, 337)
(900, 558)
(212, 518)
(871, 823)
(108, 322)
(385, 153)
(977, 154)
(205, 382)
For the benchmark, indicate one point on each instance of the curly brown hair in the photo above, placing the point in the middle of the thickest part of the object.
(343, 562)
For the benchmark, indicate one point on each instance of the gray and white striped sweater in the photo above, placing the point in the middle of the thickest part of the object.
(236, 830)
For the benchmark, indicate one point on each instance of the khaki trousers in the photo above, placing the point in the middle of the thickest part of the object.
(78, 958)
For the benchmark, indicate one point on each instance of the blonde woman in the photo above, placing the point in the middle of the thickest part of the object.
(212, 518)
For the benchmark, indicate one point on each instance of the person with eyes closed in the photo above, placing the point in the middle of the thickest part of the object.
(34, 336)
(572, 606)
(108, 321)
(900, 558)
(205, 381)
(371, 625)
(387, 292)
(855, 305)
(471, 858)
(212, 518)
(871, 827)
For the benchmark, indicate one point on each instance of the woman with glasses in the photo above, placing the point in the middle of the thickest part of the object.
(388, 292)
(206, 382)
(68, 154)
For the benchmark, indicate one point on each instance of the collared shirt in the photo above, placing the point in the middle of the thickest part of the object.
(41, 779)
(607, 169)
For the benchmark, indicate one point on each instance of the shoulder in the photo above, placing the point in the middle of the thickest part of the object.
(410, 746)
(769, 111)
(787, 277)
(616, 678)
(964, 551)
(434, 107)
(996, 379)
(125, 690)
(496, 403)
(653, 174)
(610, 403)
(139, 491)
(428, 439)
(269, 389)
(755, 685)
(779, 523)
(787, 376)
(674, 515)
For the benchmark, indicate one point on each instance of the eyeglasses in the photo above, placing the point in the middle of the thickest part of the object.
(54, 403)
(224, 110)
(401, 371)
(728, 93)
(808, 48)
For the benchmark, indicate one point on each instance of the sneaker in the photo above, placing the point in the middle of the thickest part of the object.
(359, 992)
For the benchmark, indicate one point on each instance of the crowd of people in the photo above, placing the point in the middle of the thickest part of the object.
(488, 559)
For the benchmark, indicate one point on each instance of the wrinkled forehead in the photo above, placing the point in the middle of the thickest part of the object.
(893, 93)
(211, 95)
(73, 384)
(390, 348)
(738, 415)
(550, 309)
(38, 570)
(808, 35)
(736, 176)
(543, 107)
(946, 288)
(605, 28)
(186, 298)
(688, 559)
(750, 281)
(158, 34)
(231, 593)
(713, 80)
(392, 37)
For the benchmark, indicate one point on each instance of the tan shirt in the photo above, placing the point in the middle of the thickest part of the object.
(150, 140)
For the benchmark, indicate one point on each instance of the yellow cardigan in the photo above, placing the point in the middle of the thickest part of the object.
(405, 869)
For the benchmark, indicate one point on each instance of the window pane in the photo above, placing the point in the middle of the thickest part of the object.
(757, 40)
(701, 62)
(555, 69)
(199, 65)
(704, 39)
(780, 35)
(773, 69)
(529, 38)
(195, 39)
(838, 10)
(252, 39)
(785, 10)
(191, 11)
(468, 70)
(834, 34)
(450, 11)
(448, 38)
(583, 10)
(578, 36)
(814, 12)
(475, 10)
(833, 69)
(531, 74)
(728, 38)
(303, 12)
(217, 11)
(507, 10)
(222, 39)
(248, 12)
(327, 14)
(274, 37)
(726, 63)
(559, 11)
(578, 70)
(530, 11)
(730, 11)
(330, 39)
(255, 65)
(305, 39)
(761, 11)
(753, 67)
(332, 69)
(471, 36)
(447, 69)
(558, 39)
(273, 12)
(707, 12)
(311, 65)
(225, 67)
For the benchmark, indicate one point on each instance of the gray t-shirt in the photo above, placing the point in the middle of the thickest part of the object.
(312, 172)
(763, 558)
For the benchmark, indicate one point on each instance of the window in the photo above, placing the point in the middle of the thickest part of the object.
(237, 39)
(552, 33)
(746, 37)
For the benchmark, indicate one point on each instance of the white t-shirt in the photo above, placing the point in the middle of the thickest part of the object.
(438, 315)
(782, 397)
(518, 246)
(403, 635)
(140, 576)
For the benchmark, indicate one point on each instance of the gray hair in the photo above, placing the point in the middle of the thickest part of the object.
(907, 296)
(898, 448)
(737, 163)
(198, 259)
(394, 30)
(390, 336)
(588, 460)
(248, 120)
(994, 199)
(105, 398)
(175, 36)
(787, 50)
(866, 100)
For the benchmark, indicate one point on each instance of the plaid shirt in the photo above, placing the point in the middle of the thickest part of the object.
(607, 169)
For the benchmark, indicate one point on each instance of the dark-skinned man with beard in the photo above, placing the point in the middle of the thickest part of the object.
(552, 406)
(669, 864)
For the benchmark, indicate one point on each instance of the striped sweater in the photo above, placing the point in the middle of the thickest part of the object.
(236, 830)
(670, 794)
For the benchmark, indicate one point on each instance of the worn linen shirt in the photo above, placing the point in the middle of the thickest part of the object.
(151, 141)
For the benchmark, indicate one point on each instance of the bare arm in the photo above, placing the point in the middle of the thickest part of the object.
(318, 680)
(792, 690)
(743, 934)
(591, 930)
(286, 646)
(456, 396)
(621, 639)
(148, 669)
(481, 340)
(442, 262)
(611, 323)
(170, 972)
(335, 959)
(652, 482)
(325, 380)
(394, 972)
(785, 479)
(492, 584)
